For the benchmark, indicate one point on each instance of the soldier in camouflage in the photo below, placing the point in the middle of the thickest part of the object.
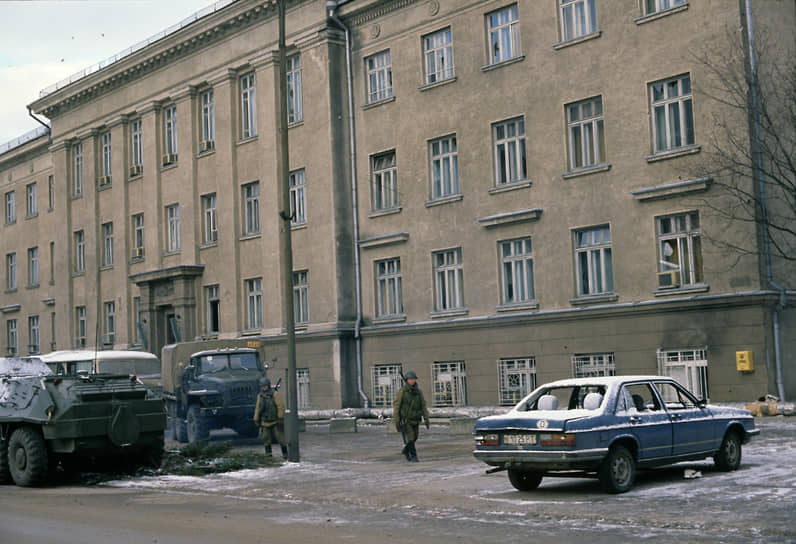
(409, 408)
(269, 413)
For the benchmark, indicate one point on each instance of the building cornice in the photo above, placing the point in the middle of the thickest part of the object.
(359, 18)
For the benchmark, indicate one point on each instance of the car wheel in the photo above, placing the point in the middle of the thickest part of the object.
(729, 455)
(524, 480)
(618, 471)
(197, 426)
(27, 457)
(5, 476)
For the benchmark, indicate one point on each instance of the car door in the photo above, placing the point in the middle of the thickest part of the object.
(692, 425)
(644, 416)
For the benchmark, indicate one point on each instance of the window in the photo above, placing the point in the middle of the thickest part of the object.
(503, 27)
(444, 167)
(578, 18)
(386, 380)
(80, 252)
(11, 336)
(52, 263)
(248, 107)
(254, 303)
(34, 342)
(10, 208)
(80, 326)
(208, 118)
(585, 140)
(448, 280)
(516, 378)
(298, 210)
(450, 383)
(592, 365)
(138, 321)
(251, 209)
(385, 181)
(672, 114)
(301, 303)
(109, 309)
(77, 174)
(389, 300)
(295, 112)
(136, 133)
(11, 271)
(170, 133)
(50, 193)
(679, 250)
(517, 260)
(209, 226)
(213, 305)
(303, 388)
(173, 222)
(107, 244)
(106, 158)
(687, 366)
(595, 274)
(379, 73)
(654, 6)
(509, 138)
(438, 53)
(33, 267)
(138, 236)
(30, 193)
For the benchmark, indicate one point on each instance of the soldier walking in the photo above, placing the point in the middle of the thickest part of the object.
(270, 415)
(408, 409)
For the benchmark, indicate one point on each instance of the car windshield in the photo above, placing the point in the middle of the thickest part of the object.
(234, 361)
(575, 397)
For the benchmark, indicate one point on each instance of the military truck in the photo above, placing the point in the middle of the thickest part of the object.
(211, 385)
(47, 418)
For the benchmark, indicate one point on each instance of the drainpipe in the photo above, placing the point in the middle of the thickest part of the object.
(757, 173)
(331, 6)
(49, 130)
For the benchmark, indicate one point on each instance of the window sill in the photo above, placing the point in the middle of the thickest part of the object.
(603, 167)
(443, 200)
(136, 260)
(171, 252)
(576, 41)
(207, 245)
(78, 274)
(32, 286)
(398, 318)
(51, 282)
(50, 210)
(300, 226)
(9, 291)
(9, 223)
(448, 313)
(31, 216)
(301, 326)
(76, 196)
(518, 306)
(371, 105)
(502, 63)
(296, 124)
(659, 14)
(434, 85)
(251, 332)
(674, 153)
(104, 187)
(683, 290)
(594, 299)
(106, 267)
(135, 177)
(506, 187)
(246, 140)
(385, 211)
(170, 166)
(206, 153)
(251, 236)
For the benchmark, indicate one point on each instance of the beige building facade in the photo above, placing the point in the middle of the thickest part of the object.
(518, 200)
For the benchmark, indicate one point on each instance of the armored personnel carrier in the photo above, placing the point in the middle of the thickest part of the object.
(45, 418)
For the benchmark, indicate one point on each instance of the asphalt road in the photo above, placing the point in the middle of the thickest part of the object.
(357, 487)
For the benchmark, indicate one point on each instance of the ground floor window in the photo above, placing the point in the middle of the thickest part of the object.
(590, 365)
(386, 381)
(517, 378)
(303, 388)
(687, 366)
(450, 383)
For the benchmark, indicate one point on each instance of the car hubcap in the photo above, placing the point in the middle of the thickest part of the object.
(621, 470)
(732, 451)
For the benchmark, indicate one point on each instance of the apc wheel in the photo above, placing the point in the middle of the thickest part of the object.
(524, 480)
(618, 471)
(729, 455)
(27, 457)
(197, 426)
(5, 475)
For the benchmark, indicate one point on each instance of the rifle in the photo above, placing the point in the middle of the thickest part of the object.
(276, 387)
(401, 424)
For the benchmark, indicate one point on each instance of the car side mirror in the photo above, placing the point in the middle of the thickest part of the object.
(702, 403)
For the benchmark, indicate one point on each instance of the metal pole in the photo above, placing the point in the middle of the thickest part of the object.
(283, 169)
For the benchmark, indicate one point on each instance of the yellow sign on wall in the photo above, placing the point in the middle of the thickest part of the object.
(744, 361)
(254, 344)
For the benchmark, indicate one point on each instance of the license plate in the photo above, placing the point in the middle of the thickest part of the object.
(519, 439)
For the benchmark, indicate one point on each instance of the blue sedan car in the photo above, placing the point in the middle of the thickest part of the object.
(608, 427)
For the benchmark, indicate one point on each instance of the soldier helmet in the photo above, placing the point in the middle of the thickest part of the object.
(411, 374)
(264, 382)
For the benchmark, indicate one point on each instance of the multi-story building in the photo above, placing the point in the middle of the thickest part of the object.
(491, 193)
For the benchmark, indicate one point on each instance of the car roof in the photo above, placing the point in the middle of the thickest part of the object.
(222, 351)
(66, 356)
(603, 380)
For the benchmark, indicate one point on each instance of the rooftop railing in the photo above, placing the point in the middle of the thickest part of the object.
(25, 138)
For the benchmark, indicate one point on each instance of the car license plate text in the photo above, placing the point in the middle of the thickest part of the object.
(519, 439)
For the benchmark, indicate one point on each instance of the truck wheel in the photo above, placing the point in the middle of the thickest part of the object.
(729, 455)
(523, 480)
(197, 426)
(618, 471)
(27, 457)
(5, 476)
